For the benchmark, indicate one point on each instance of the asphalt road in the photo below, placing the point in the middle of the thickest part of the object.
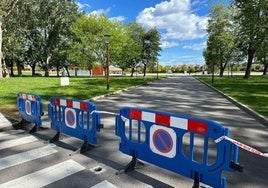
(180, 95)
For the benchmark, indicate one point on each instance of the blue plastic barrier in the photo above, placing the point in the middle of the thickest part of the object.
(30, 108)
(75, 118)
(170, 141)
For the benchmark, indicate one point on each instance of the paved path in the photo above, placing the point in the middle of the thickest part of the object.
(180, 95)
(188, 96)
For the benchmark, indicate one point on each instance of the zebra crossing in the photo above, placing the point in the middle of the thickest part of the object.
(13, 139)
(4, 122)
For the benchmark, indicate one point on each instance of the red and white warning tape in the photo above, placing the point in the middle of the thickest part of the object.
(241, 145)
(103, 112)
(106, 112)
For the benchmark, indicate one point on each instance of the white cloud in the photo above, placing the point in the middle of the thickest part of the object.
(188, 60)
(82, 6)
(168, 44)
(176, 18)
(118, 18)
(196, 46)
(100, 11)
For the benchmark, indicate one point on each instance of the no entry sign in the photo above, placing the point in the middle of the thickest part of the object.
(163, 141)
(70, 118)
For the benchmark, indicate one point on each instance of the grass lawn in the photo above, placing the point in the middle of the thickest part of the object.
(80, 88)
(251, 92)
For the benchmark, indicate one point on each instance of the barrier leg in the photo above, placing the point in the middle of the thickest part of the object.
(85, 147)
(21, 123)
(132, 165)
(55, 138)
(196, 180)
(34, 129)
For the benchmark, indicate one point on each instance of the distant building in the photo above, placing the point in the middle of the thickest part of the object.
(97, 70)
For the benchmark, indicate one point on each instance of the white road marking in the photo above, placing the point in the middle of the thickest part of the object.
(4, 122)
(10, 132)
(23, 157)
(16, 142)
(105, 184)
(45, 176)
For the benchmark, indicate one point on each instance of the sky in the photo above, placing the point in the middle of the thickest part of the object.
(181, 23)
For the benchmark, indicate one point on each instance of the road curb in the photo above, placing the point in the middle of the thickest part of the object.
(260, 118)
(115, 92)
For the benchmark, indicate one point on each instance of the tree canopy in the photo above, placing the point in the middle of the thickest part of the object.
(237, 32)
(53, 33)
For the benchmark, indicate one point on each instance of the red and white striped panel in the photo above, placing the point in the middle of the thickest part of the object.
(71, 104)
(27, 96)
(170, 121)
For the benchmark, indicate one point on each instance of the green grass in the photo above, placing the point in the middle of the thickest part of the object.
(251, 92)
(80, 88)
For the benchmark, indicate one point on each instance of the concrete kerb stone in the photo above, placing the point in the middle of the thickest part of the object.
(260, 118)
(113, 93)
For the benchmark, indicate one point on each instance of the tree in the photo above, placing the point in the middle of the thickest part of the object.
(54, 19)
(252, 19)
(150, 48)
(262, 56)
(220, 44)
(15, 37)
(6, 7)
(130, 55)
(36, 29)
(89, 39)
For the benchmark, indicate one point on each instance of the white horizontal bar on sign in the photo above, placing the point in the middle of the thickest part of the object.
(180, 123)
(26, 156)
(76, 104)
(17, 142)
(10, 132)
(148, 116)
(63, 102)
(45, 176)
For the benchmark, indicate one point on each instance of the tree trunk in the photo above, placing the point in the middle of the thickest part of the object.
(11, 69)
(67, 70)
(1, 54)
(58, 70)
(265, 69)
(250, 60)
(221, 71)
(33, 69)
(132, 71)
(144, 70)
(19, 68)
(47, 66)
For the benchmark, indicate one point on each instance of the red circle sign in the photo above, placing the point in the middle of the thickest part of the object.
(70, 118)
(162, 141)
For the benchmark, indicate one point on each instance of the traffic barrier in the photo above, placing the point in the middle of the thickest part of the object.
(75, 118)
(172, 142)
(30, 109)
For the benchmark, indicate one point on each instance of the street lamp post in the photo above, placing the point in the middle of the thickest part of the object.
(107, 61)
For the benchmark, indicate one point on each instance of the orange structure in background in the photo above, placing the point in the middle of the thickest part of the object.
(97, 71)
